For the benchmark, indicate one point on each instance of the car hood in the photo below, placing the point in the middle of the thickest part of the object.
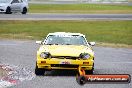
(4, 4)
(66, 50)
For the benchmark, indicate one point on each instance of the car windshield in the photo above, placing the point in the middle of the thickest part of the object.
(5, 1)
(65, 40)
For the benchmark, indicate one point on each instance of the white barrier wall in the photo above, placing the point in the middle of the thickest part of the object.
(109, 0)
(88, 0)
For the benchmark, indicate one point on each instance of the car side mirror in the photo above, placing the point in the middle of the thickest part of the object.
(92, 43)
(39, 42)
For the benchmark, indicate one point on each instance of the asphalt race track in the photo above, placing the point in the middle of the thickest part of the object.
(60, 16)
(107, 61)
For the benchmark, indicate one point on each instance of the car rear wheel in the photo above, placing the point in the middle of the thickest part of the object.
(39, 71)
(8, 10)
(24, 10)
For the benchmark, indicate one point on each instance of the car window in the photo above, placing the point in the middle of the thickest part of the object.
(15, 1)
(66, 40)
(5, 1)
(20, 1)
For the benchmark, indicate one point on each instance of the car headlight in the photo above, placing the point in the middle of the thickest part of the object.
(84, 55)
(2, 6)
(45, 55)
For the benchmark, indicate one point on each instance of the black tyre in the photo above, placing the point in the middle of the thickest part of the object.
(8, 10)
(24, 10)
(90, 71)
(39, 71)
(81, 80)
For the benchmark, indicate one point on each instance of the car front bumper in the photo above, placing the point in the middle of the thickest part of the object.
(50, 64)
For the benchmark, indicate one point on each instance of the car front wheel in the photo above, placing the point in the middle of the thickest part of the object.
(8, 10)
(24, 10)
(39, 71)
(90, 71)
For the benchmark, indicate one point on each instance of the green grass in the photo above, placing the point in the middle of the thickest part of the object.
(118, 32)
(79, 8)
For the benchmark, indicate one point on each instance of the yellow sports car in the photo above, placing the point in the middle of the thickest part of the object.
(61, 50)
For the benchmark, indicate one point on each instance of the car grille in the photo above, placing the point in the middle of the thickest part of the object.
(65, 57)
(65, 65)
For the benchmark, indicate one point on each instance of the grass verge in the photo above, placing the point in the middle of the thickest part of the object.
(79, 8)
(117, 32)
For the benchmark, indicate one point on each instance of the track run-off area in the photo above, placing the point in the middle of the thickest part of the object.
(20, 55)
(62, 16)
